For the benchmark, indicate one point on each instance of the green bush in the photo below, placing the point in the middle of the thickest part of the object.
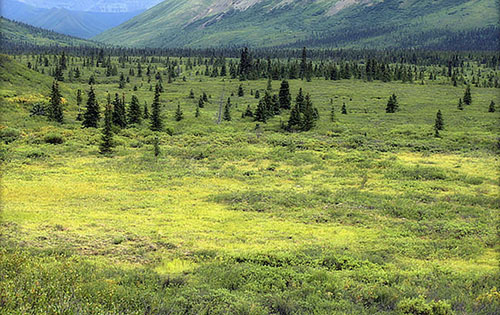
(35, 153)
(53, 138)
(9, 135)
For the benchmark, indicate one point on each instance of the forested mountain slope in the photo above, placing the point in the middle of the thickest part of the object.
(322, 23)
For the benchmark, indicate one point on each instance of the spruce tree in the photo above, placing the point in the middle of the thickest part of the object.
(245, 64)
(257, 94)
(439, 123)
(223, 70)
(227, 111)
(134, 111)
(139, 70)
(460, 105)
(268, 104)
(58, 74)
(269, 84)
(309, 120)
(436, 132)
(295, 120)
(121, 85)
(55, 107)
(344, 109)
(492, 108)
(107, 132)
(156, 120)
(467, 96)
(248, 112)
(284, 95)
(201, 102)
(197, 113)
(119, 115)
(191, 94)
(241, 92)
(92, 114)
(261, 112)
(178, 113)
(156, 146)
(392, 104)
(300, 101)
(275, 105)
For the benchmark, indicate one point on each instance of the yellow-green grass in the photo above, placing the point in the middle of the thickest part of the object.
(357, 216)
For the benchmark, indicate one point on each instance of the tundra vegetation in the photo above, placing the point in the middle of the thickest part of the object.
(185, 182)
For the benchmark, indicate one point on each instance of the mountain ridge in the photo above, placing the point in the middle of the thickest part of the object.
(266, 23)
(108, 6)
(17, 33)
(74, 23)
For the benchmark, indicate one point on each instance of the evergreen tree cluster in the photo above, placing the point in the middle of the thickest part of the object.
(304, 115)
(405, 66)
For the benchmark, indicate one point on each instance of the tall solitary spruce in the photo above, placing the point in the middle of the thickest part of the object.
(107, 131)
(156, 121)
(492, 109)
(201, 102)
(460, 104)
(55, 109)
(344, 109)
(392, 104)
(178, 113)
(438, 124)
(467, 96)
(92, 114)
(227, 111)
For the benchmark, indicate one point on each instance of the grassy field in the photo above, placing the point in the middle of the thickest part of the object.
(369, 214)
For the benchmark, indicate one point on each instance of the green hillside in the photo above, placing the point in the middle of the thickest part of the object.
(19, 33)
(368, 23)
(21, 88)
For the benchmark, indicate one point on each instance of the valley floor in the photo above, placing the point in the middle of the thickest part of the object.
(369, 214)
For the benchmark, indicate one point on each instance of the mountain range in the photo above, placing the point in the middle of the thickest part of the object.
(16, 33)
(375, 24)
(82, 24)
(322, 23)
(94, 5)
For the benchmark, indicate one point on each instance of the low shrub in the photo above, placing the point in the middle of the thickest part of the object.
(9, 135)
(53, 138)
